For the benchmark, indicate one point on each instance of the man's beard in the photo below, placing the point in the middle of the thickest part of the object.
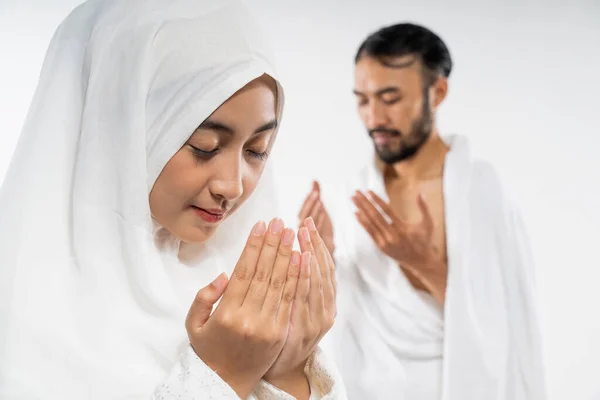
(409, 144)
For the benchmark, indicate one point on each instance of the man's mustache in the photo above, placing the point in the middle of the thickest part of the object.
(385, 131)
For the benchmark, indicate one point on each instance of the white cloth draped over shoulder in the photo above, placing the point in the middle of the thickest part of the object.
(93, 295)
(391, 341)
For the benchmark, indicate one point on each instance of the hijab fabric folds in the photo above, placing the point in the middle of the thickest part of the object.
(93, 295)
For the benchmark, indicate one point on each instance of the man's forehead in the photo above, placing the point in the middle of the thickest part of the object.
(371, 74)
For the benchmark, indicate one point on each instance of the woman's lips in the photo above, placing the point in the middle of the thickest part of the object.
(210, 215)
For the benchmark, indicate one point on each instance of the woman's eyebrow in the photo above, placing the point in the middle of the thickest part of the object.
(216, 126)
(223, 128)
(267, 127)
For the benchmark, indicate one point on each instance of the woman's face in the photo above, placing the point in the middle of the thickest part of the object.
(219, 166)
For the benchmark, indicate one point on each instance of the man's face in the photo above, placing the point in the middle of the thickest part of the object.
(394, 106)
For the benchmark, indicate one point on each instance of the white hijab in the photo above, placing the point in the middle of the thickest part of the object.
(93, 297)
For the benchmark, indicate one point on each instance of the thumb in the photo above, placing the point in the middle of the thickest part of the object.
(204, 302)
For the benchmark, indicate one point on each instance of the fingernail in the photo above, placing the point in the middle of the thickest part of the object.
(310, 224)
(276, 226)
(295, 258)
(219, 281)
(288, 237)
(259, 229)
(304, 233)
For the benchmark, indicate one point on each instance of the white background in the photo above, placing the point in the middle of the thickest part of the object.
(525, 89)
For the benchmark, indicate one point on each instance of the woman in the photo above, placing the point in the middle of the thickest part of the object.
(150, 127)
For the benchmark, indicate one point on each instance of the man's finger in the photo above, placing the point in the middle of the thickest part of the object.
(246, 266)
(375, 234)
(320, 219)
(317, 187)
(308, 205)
(317, 211)
(203, 303)
(369, 211)
(384, 207)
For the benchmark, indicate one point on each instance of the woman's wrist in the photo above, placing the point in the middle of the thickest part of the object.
(242, 385)
(295, 383)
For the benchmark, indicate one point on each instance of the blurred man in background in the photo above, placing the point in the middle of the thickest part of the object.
(435, 277)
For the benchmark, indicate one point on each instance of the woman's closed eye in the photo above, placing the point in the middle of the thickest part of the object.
(203, 154)
(206, 154)
(261, 155)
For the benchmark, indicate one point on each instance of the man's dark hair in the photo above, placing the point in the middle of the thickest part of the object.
(408, 39)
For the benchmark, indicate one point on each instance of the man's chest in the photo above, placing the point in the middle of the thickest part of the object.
(403, 202)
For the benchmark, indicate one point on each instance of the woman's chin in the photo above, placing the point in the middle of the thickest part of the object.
(195, 234)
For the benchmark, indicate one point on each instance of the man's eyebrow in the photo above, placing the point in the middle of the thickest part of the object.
(380, 92)
(389, 89)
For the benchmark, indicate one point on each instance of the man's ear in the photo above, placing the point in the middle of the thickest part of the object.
(438, 93)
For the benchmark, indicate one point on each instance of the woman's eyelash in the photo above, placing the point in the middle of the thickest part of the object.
(206, 155)
(260, 156)
(203, 154)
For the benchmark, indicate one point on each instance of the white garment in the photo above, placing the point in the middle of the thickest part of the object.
(93, 296)
(391, 341)
(192, 379)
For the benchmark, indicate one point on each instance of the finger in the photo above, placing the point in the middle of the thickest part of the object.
(370, 211)
(280, 273)
(301, 308)
(315, 297)
(319, 220)
(383, 205)
(245, 267)
(203, 303)
(375, 230)
(427, 219)
(316, 187)
(292, 289)
(308, 205)
(325, 263)
(333, 281)
(368, 226)
(317, 211)
(259, 284)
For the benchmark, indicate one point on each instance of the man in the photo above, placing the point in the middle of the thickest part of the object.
(435, 277)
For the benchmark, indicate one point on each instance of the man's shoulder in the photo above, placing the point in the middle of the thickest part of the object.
(489, 188)
(483, 177)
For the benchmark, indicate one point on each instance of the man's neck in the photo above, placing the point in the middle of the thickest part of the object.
(425, 164)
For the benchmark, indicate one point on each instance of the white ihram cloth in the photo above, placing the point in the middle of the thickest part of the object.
(93, 297)
(391, 341)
